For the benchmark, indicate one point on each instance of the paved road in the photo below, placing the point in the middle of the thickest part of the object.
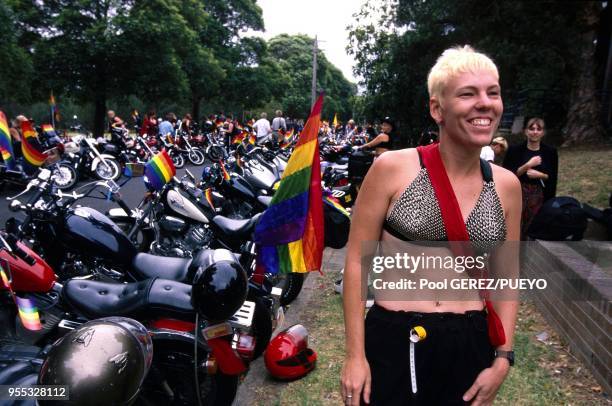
(132, 192)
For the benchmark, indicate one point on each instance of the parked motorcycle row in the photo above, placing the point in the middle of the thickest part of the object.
(181, 263)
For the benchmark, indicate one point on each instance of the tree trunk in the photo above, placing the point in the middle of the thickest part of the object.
(584, 115)
(195, 108)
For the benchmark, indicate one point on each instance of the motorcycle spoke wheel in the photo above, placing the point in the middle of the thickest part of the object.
(112, 171)
(196, 157)
(65, 177)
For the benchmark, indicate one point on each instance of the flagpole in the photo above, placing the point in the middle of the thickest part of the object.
(52, 107)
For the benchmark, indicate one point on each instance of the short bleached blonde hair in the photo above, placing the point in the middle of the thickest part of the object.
(456, 61)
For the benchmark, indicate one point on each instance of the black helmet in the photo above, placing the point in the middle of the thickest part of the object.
(219, 285)
(389, 121)
(103, 362)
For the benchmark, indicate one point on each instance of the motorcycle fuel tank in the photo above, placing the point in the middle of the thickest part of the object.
(91, 232)
(37, 278)
(182, 205)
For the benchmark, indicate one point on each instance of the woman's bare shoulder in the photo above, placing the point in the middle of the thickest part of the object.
(392, 171)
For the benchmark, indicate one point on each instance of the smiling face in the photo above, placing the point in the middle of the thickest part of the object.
(386, 127)
(470, 108)
(534, 132)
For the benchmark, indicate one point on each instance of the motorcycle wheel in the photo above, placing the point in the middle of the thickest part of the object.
(292, 286)
(262, 326)
(112, 172)
(178, 160)
(214, 153)
(196, 157)
(65, 176)
(171, 379)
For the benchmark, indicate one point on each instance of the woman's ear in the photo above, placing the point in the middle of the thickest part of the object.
(435, 109)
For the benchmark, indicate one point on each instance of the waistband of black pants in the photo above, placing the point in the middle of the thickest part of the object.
(401, 317)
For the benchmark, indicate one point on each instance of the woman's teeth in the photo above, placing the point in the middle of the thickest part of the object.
(481, 122)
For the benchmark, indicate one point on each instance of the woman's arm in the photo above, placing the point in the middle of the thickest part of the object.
(382, 137)
(366, 225)
(505, 264)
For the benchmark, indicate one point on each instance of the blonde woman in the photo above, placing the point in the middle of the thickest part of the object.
(457, 362)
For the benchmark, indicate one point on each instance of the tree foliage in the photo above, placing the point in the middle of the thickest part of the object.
(532, 43)
(160, 54)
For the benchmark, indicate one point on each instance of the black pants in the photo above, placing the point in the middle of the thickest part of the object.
(447, 361)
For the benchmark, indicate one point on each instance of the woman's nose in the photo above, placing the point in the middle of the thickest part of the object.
(484, 101)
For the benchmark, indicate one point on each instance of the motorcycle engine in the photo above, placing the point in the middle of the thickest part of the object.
(198, 237)
(176, 245)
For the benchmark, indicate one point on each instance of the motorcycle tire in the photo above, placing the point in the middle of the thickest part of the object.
(112, 172)
(262, 326)
(196, 157)
(173, 369)
(292, 286)
(65, 176)
(178, 160)
(214, 153)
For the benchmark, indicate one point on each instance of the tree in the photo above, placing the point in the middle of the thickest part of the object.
(16, 67)
(293, 53)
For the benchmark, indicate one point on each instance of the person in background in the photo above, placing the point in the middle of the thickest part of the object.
(149, 124)
(186, 123)
(427, 137)
(487, 153)
(166, 127)
(370, 131)
(536, 165)
(383, 141)
(135, 115)
(16, 134)
(262, 128)
(113, 120)
(279, 124)
(500, 146)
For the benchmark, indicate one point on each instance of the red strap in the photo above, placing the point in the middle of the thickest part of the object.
(456, 229)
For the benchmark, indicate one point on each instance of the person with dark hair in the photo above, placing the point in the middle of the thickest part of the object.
(536, 165)
(149, 124)
(383, 141)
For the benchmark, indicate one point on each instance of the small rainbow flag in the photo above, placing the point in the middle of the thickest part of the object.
(333, 202)
(239, 138)
(290, 233)
(6, 144)
(226, 176)
(30, 152)
(252, 139)
(159, 170)
(48, 130)
(28, 313)
(5, 281)
(209, 198)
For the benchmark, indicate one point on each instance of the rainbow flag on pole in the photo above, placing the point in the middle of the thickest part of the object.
(55, 114)
(28, 313)
(29, 145)
(290, 232)
(159, 170)
(6, 144)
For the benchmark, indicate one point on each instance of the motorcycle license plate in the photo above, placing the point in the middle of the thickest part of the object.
(217, 330)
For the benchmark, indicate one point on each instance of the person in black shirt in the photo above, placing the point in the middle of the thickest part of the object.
(382, 142)
(536, 165)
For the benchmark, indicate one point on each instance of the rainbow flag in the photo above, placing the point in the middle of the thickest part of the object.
(159, 170)
(290, 233)
(226, 176)
(55, 114)
(209, 198)
(252, 139)
(239, 138)
(30, 145)
(333, 202)
(6, 144)
(28, 313)
(287, 139)
(48, 130)
(5, 281)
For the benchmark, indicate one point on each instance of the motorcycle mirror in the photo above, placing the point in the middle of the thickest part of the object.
(15, 206)
(190, 174)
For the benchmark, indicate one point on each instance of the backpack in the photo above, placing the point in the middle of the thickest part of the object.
(337, 226)
(560, 218)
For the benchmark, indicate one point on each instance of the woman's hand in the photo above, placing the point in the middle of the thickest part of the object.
(355, 379)
(533, 174)
(534, 161)
(487, 383)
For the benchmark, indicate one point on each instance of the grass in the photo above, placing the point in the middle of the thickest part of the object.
(586, 174)
(545, 373)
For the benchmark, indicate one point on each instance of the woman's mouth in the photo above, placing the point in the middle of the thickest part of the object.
(480, 122)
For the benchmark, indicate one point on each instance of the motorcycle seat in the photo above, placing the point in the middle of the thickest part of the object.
(265, 200)
(153, 266)
(16, 371)
(96, 299)
(237, 228)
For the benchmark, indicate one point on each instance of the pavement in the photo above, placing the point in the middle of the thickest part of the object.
(257, 378)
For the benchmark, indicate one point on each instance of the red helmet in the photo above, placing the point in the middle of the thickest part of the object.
(288, 355)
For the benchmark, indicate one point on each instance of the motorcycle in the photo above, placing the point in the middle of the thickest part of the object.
(88, 161)
(194, 360)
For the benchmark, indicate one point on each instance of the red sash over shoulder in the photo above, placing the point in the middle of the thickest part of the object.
(456, 229)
